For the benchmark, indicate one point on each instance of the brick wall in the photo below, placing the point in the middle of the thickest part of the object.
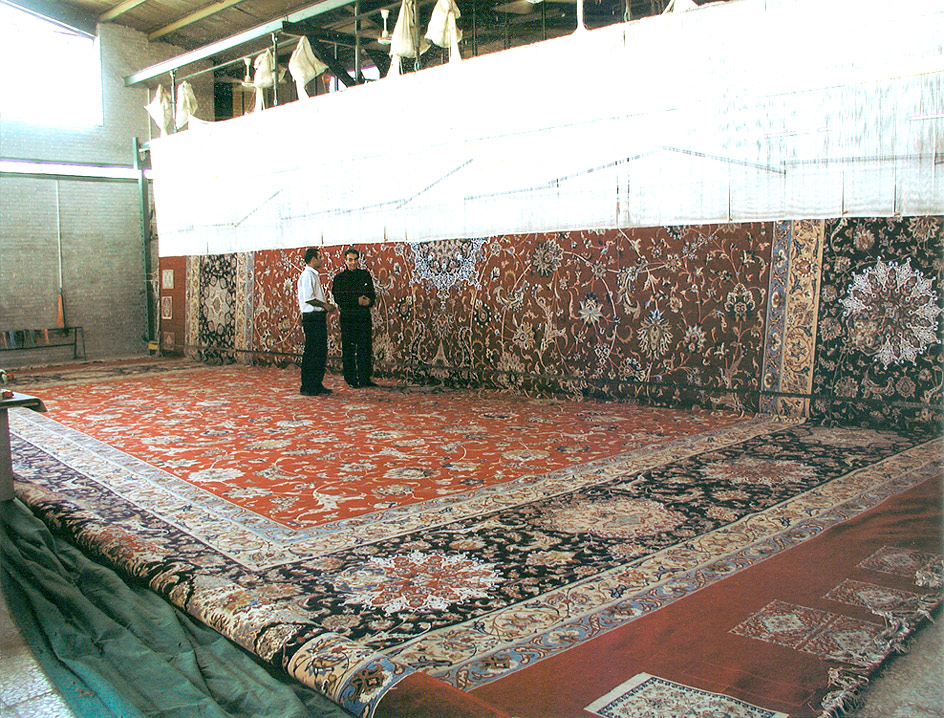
(98, 225)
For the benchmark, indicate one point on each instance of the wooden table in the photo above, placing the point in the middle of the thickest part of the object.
(6, 460)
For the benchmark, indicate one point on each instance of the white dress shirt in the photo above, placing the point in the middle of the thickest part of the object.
(309, 287)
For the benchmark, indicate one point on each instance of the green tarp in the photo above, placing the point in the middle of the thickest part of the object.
(118, 650)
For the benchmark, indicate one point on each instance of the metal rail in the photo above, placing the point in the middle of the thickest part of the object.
(215, 48)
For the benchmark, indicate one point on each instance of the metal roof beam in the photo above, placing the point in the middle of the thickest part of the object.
(337, 69)
(58, 14)
(193, 17)
(215, 48)
(202, 53)
(315, 33)
(119, 9)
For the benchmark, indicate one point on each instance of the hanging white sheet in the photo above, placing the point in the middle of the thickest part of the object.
(683, 118)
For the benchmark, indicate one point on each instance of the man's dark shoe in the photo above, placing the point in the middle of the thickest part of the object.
(369, 383)
(322, 390)
(354, 385)
(308, 392)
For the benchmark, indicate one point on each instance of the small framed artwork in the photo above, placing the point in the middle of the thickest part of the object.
(167, 307)
(167, 279)
(169, 340)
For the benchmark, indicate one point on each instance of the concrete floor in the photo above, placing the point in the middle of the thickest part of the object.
(910, 685)
(25, 692)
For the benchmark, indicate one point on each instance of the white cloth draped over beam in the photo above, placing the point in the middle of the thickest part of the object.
(403, 40)
(263, 77)
(187, 106)
(304, 66)
(442, 30)
(161, 110)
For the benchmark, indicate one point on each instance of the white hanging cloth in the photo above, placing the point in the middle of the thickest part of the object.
(161, 110)
(442, 30)
(304, 66)
(262, 78)
(402, 43)
(186, 104)
(263, 64)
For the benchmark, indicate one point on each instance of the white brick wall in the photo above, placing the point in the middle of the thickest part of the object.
(99, 224)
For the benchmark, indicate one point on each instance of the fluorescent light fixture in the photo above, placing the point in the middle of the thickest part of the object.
(70, 171)
(919, 118)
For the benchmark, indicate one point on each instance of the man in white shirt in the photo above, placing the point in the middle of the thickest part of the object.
(314, 309)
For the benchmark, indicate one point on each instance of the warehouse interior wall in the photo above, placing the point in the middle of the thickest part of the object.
(97, 224)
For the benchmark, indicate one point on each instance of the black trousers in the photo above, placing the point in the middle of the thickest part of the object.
(357, 346)
(315, 357)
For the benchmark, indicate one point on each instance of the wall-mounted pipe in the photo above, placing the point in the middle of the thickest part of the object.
(275, 69)
(173, 99)
(357, 42)
(416, 35)
(475, 33)
(60, 302)
(145, 231)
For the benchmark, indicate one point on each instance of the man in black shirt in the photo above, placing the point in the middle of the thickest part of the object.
(353, 290)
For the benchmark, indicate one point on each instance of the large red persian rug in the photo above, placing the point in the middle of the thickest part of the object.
(419, 551)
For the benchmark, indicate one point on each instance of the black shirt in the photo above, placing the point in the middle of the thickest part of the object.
(350, 284)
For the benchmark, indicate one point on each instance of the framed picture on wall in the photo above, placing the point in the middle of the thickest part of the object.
(167, 279)
(167, 307)
(169, 340)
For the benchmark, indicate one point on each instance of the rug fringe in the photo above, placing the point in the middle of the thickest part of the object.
(900, 625)
(846, 696)
(932, 576)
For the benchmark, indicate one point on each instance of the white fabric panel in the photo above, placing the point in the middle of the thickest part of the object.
(739, 111)
(921, 185)
(869, 188)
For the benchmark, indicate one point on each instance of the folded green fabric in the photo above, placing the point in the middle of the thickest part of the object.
(114, 649)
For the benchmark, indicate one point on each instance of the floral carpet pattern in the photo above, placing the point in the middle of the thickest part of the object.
(838, 320)
(355, 539)
(674, 312)
(879, 350)
(790, 332)
(646, 696)
(214, 290)
(244, 435)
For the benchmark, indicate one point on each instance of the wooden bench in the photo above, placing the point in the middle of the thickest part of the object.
(13, 340)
